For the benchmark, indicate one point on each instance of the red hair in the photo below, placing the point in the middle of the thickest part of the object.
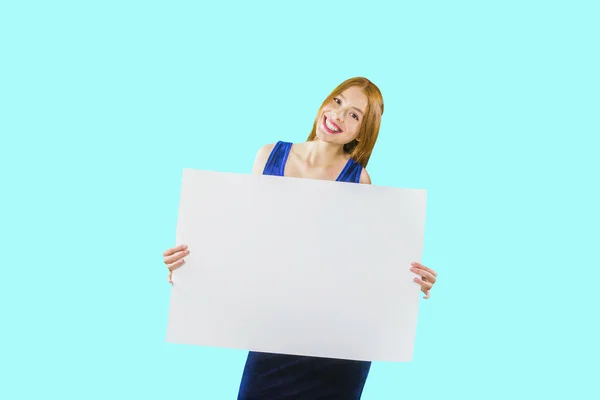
(361, 148)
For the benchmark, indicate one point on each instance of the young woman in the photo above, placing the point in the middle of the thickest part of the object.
(338, 148)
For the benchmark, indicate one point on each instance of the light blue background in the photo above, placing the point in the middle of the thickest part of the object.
(491, 106)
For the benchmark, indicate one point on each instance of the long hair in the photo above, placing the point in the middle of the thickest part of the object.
(361, 148)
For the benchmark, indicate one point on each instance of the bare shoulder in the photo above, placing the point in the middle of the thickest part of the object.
(364, 177)
(261, 158)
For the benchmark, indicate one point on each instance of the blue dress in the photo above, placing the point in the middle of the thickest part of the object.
(276, 376)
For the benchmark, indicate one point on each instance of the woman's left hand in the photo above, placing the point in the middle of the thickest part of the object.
(428, 277)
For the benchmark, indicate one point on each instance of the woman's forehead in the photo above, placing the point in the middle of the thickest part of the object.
(356, 97)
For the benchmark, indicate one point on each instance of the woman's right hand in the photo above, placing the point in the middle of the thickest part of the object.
(174, 258)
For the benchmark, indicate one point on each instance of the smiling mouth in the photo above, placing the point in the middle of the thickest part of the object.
(330, 126)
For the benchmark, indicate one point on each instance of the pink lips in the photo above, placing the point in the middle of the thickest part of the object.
(332, 123)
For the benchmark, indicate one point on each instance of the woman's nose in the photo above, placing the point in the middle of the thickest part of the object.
(339, 115)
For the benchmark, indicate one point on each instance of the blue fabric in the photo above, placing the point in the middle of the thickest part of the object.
(277, 376)
(277, 159)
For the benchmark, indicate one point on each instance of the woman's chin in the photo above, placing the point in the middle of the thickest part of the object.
(333, 139)
(324, 137)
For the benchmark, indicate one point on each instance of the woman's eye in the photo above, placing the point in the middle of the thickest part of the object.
(337, 100)
(354, 116)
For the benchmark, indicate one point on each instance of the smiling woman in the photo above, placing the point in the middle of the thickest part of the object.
(342, 138)
(358, 103)
(338, 149)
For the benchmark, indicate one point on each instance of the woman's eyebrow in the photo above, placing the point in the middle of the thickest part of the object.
(356, 108)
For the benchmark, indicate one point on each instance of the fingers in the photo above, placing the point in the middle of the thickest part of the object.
(425, 286)
(422, 267)
(173, 259)
(176, 257)
(173, 266)
(428, 276)
(174, 250)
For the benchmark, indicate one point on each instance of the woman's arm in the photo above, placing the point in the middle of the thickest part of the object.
(261, 158)
(364, 177)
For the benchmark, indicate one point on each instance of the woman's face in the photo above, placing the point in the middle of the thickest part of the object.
(340, 120)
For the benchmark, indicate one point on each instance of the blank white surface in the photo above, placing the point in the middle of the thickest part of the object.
(297, 266)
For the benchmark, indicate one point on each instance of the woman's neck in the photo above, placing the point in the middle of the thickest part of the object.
(322, 154)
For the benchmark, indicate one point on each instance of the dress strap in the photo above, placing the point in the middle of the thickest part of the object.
(276, 162)
(351, 172)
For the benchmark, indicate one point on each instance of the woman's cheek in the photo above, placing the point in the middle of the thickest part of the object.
(354, 128)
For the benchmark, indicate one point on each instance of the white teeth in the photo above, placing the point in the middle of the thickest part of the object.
(330, 126)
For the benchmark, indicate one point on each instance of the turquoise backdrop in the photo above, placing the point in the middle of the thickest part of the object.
(492, 106)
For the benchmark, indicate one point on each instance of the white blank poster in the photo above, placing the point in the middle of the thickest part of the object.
(297, 266)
